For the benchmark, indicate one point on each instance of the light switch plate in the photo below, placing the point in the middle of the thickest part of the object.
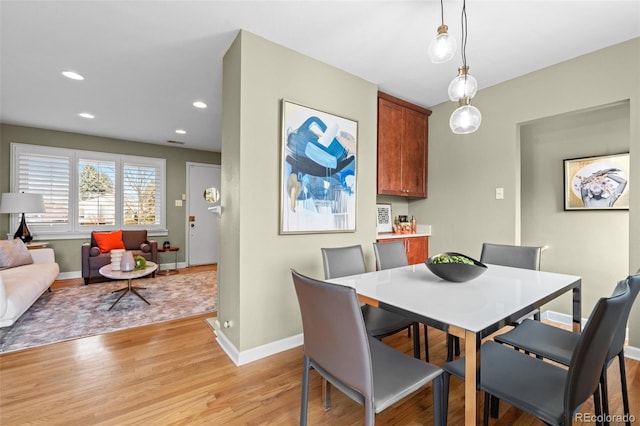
(178, 203)
(499, 193)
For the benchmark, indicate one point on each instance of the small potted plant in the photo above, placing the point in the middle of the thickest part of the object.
(141, 262)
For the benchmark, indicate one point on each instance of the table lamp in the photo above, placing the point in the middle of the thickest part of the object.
(19, 202)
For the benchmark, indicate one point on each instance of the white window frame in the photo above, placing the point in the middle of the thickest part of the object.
(73, 230)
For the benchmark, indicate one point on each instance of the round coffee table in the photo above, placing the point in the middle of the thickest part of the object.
(106, 271)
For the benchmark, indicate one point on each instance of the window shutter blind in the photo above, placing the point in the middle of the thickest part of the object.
(141, 190)
(47, 175)
(96, 192)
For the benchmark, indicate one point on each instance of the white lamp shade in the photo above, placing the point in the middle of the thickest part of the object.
(19, 202)
(463, 86)
(465, 119)
(442, 48)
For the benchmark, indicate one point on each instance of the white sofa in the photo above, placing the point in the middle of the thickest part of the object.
(21, 286)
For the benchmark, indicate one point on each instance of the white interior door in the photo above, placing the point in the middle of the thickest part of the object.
(202, 225)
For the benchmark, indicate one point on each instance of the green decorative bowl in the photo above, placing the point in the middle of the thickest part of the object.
(455, 271)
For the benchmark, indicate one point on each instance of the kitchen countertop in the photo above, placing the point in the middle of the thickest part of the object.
(422, 231)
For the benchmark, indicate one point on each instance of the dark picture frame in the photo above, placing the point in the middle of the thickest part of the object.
(597, 183)
(318, 171)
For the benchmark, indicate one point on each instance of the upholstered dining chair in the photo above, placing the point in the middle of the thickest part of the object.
(392, 254)
(505, 255)
(524, 257)
(558, 344)
(338, 347)
(547, 391)
(342, 261)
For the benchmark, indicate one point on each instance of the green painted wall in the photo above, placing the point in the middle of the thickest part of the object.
(256, 290)
(68, 251)
(465, 170)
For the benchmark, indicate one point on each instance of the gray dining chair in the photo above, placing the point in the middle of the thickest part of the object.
(342, 261)
(547, 391)
(338, 347)
(524, 257)
(558, 345)
(392, 254)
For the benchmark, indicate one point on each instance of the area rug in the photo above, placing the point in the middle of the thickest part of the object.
(73, 312)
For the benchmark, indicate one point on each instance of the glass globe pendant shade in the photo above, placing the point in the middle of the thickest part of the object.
(442, 47)
(465, 119)
(463, 86)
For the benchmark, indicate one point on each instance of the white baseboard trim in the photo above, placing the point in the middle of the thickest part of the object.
(565, 319)
(254, 354)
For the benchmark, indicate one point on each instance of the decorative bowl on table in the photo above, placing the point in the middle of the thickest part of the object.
(456, 267)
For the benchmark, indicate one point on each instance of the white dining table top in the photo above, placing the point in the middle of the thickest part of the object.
(475, 305)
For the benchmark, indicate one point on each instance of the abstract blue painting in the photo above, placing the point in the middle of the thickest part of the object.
(318, 182)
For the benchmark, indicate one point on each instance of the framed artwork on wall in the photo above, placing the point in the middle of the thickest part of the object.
(597, 183)
(318, 171)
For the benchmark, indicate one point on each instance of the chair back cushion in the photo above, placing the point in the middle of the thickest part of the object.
(342, 261)
(617, 345)
(390, 255)
(335, 337)
(515, 256)
(591, 350)
(133, 240)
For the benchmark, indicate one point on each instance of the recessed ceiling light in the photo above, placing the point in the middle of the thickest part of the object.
(181, 132)
(86, 115)
(72, 75)
(199, 104)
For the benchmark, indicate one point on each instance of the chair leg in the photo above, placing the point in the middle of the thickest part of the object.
(445, 395)
(304, 399)
(495, 407)
(326, 394)
(604, 391)
(623, 384)
(485, 412)
(597, 404)
(451, 347)
(439, 414)
(369, 413)
(416, 339)
(426, 344)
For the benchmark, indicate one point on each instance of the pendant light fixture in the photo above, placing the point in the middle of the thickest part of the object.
(463, 86)
(443, 46)
(466, 118)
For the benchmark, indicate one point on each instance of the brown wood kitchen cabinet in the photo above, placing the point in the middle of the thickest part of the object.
(403, 130)
(417, 248)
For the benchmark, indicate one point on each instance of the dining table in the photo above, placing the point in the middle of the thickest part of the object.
(471, 310)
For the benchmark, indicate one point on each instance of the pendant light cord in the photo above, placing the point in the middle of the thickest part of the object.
(441, 12)
(463, 22)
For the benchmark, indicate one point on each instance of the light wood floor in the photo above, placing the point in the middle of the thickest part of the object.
(174, 373)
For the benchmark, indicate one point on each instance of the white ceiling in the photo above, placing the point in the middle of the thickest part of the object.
(145, 62)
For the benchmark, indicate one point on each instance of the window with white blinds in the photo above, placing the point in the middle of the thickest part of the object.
(85, 191)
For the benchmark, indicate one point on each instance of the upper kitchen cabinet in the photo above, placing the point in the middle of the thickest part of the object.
(403, 130)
